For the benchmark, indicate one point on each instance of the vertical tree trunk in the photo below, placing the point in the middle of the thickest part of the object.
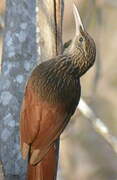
(19, 56)
(49, 21)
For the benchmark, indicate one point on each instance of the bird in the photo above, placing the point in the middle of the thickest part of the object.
(51, 97)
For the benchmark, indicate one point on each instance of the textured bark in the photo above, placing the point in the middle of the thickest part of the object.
(49, 20)
(47, 24)
(19, 56)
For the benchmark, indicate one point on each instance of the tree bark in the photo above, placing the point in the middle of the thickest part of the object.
(49, 21)
(19, 56)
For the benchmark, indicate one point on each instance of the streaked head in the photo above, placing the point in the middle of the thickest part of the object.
(82, 44)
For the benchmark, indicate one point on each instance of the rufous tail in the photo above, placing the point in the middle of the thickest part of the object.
(46, 169)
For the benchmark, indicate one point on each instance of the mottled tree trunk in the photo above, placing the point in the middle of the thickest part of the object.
(19, 56)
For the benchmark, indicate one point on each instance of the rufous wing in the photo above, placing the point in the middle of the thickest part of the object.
(30, 117)
(40, 125)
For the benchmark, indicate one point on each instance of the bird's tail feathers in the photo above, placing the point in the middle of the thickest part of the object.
(46, 169)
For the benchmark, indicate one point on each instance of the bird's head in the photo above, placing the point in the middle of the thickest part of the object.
(82, 46)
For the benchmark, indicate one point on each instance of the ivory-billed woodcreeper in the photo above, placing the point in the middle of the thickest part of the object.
(51, 97)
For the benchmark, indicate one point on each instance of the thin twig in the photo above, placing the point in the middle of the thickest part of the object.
(97, 124)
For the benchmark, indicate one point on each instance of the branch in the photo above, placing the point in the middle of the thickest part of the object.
(97, 124)
(59, 5)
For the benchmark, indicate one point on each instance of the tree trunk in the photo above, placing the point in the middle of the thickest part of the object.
(19, 56)
(49, 21)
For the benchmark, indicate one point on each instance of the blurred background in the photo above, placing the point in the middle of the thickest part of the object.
(84, 154)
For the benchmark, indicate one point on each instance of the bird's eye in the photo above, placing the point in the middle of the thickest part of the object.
(81, 39)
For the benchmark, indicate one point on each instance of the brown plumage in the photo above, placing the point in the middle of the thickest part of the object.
(51, 97)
